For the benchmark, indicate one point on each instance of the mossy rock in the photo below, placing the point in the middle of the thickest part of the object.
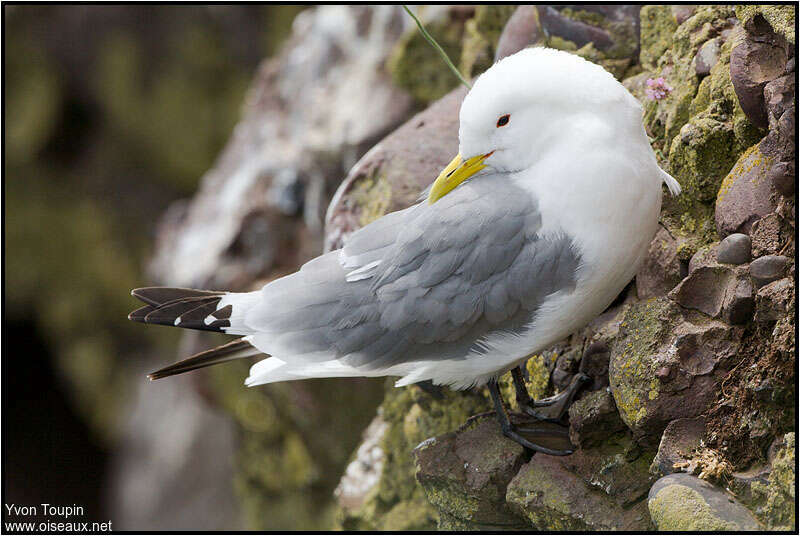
(775, 501)
(481, 34)
(418, 68)
(657, 26)
(780, 17)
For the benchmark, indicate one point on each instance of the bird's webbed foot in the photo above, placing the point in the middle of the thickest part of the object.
(551, 409)
(534, 434)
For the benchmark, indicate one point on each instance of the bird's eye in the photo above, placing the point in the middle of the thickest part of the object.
(503, 120)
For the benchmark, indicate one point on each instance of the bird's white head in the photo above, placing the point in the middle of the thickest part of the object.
(525, 102)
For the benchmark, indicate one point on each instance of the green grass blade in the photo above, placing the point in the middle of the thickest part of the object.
(435, 45)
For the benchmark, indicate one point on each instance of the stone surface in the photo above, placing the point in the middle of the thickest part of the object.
(770, 234)
(593, 418)
(774, 300)
(465, 473)
(679, 440)
(657, 334)
(707, 57)
(734, 249)
(755, 61)
(745, 193)
(783, 178)
(684, 502)
(768, 268)
(774, 500)
(661, 267)
(522, 30)
(717, 290)
(552, 498)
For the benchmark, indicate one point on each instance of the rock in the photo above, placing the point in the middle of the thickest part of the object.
(681, 502)
(553, 498)
(661, 269)
(744, 195)
(718, 290)
(679, 440)
(704, 289)
(755, 61)
(734, 249)
(522, 30)
(391, 176)
(594, 363)
(657, 334)
(775, 499)
(465, 473)
(782, 176)
(770, 234)
(779, 96)
(774, 300)
(593, 418)
(658, 24)
(362, 474)
(768, 268)
(416, 67)
(738, 304)
(681, 12)
(707, 57)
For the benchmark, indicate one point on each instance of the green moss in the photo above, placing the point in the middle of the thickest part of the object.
(588, 17)
(560, 43)
(657, 26)
(372, 196)
(292, 455)
(701, 156)
(418, 68)
(552, 511)
(702, 99)
(398, 502)
(781, 18)
(632, 369)
(680, 508)
(481, 34)
(775, 501)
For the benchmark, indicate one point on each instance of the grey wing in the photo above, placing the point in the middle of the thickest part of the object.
(425, 283)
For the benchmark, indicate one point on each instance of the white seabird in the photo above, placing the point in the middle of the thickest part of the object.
(526, 236)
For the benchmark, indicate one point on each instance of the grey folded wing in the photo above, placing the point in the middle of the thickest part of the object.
(428, 282)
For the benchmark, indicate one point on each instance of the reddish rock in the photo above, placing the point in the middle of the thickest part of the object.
(770, 234)
(593, 418)
(661, 268)
(521, 30)
(554, 498)
(707, 57)
(779, 96)
(473, 466)
(678, 442)
(755, 61)
(735, 249)
(745, 194)
(768, 268)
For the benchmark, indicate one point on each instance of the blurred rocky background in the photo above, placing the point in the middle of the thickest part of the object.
(224, 146)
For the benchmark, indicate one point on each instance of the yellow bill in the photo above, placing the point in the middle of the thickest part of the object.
(456, 172)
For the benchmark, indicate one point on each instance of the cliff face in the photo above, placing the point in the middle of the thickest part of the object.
(692, 367)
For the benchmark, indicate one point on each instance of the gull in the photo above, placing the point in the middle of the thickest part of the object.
(530, 232)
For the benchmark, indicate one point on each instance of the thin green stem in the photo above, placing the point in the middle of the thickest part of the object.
(435, 45)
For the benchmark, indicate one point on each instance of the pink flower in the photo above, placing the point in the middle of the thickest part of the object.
(657, 88)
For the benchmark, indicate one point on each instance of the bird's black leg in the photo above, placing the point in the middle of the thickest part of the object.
(551, 409)
(514, 433)
(434, 391)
